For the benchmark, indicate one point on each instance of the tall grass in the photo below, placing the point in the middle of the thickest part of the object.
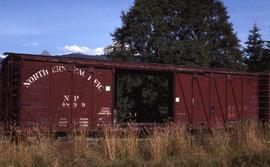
(246, 144)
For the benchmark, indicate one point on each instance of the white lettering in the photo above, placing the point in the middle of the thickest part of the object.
(31, 79)
(79, 72)
(89, 77)
(98, 85)
(45, 72)
(60, 68)
(34, 77)
(66, 97)
(76, 98)
(96, 81)
(76, 102)
(65, 104)
(26, 84)
(57, 69)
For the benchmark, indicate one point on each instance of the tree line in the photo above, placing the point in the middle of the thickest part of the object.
(186, 32)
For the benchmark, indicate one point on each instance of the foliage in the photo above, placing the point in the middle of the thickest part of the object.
(257, 51)
(143, 98)
(187, 32)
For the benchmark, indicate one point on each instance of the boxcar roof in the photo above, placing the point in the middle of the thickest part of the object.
(119, 65)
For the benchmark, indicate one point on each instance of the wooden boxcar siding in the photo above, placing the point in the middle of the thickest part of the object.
(67, 94)
(215, 99)
(65, 97)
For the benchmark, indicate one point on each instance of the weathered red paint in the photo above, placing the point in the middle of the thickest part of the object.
(68, 94)
(214, 99)
(65, 97)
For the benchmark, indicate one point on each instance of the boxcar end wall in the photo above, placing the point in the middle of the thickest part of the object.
(68, 94)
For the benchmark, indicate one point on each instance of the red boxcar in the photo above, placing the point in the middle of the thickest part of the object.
(69, 94)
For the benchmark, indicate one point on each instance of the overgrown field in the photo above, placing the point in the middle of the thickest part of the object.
(247, 144)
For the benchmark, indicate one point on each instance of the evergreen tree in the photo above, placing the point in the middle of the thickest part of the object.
(265, 61)
(184, 32)
(254, 50)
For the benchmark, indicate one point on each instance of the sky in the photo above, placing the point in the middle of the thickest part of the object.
(66, 26)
